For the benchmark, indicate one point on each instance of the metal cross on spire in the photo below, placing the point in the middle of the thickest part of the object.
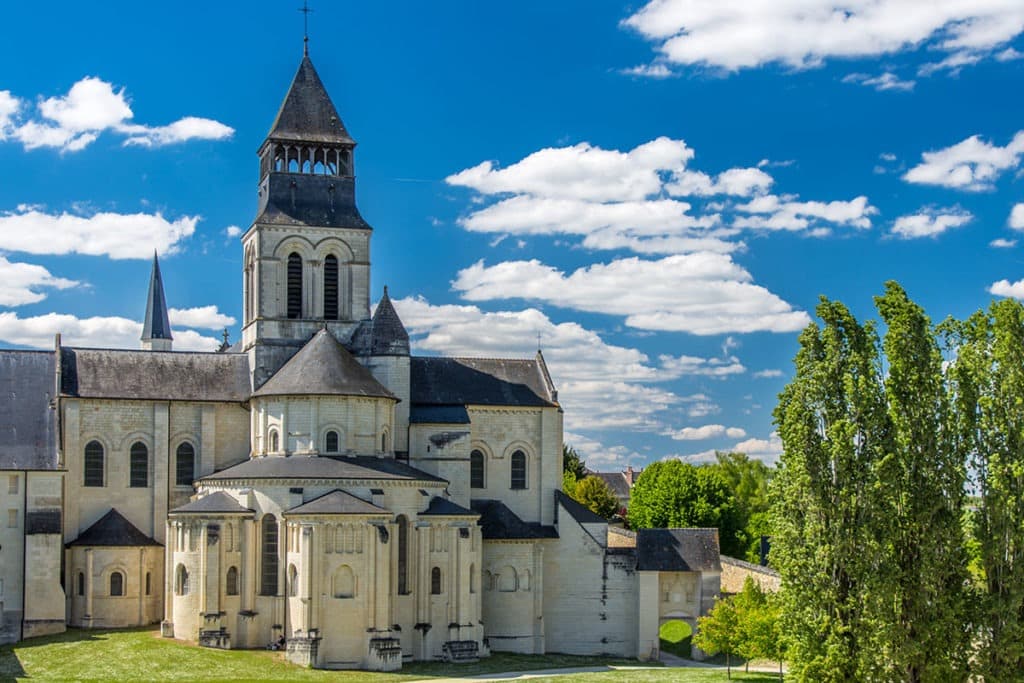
(305, 26)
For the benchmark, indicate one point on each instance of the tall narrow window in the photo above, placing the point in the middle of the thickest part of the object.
(116, 584)
(293, 581)
(331, 442)
(331, 287)
(518, 470)
(435, 581)
(149, 583)
(403, 555)
(268, 556)
(294, 285)
(185, 465)
(181, 580)
(476, 470)
(81, 583)
(139, 466)
(231, 585)
(94, 464)
(273, 441)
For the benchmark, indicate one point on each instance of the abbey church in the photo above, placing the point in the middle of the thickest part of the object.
(316, 485)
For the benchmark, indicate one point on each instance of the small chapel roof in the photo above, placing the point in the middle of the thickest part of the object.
(498, 522)
(28, 436)
(112, 529)
(216, 503)
(307, 113)
(323, 467)
(323, 367)
(442, 507)
(337, 502)
(481, 381)
(678, 550)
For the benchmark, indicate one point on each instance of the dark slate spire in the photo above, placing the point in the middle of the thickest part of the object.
(307, 114)
(388, 336)
(156, 325)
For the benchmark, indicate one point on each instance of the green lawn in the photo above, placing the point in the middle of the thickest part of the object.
(141, 654)
(675, 638)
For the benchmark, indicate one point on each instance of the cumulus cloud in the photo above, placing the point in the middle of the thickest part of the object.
(767, 374)
(655, 70)
(1016, 220)
(20, 283)
(971, 164)
(773, 212)
(881, 82)
(1002, 243)
(600, 457)
(733, 36)
(92, 106)
(203, 317)
(700, 293)
(930, 222)
(711, 431)
(105, 332)
(767, 450)
(1013, 290)
(233, 231)
(119, 236)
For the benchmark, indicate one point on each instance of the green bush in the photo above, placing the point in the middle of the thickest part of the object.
(675, 638)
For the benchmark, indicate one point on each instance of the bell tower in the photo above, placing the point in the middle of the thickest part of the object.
(306, 258)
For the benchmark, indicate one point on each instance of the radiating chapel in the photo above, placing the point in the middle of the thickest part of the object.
(316, 485)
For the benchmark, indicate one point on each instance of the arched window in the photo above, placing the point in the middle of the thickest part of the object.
(472, 578)
(476, 470)
(231, 584)
(344, 582)
(403, 555)
(138, 466)
(331, 287)
(331, 442)
(384, 442)
(524, 580)
(94, 464)
(293, 580)
(268, 564)
(81, 583)
(116, 584)
(294, 285)
(149, 583)
(273, 443)
(185, 464)
(435, 581)
(507, 579)
(518, 470)
(181, 580)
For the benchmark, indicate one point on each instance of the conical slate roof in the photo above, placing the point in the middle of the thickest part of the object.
(307, 114)
(323, 368)
(156, 324)
(387, 335)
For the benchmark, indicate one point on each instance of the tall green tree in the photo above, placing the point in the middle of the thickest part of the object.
(677, 494)
(594, 493)
(719, 631)
(834, 429)
(987, 378)
(921, 486)
(571, 462)
(748, 479)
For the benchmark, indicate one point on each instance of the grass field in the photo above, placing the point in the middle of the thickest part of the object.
(675, 638)
(141, 654)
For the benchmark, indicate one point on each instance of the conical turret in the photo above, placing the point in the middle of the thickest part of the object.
(156, 327)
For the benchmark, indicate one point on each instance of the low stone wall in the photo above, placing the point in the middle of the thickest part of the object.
(735, 573)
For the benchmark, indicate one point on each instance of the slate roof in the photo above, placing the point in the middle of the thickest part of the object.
(217, 503)
(307, 113)
(323, 368)
(616, 482)
(577, 511)
(337, 502)
(443, 507)
(421, 414)
(498, 522)
(156, 324)
(678, 550)
(322, 467)
(112, 529)
(28, 438)
(481, 381)
(388, 336)
(154, 375)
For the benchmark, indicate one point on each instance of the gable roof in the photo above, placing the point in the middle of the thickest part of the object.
(154, 375)
(442, 507)
(616, 482)
(322, 467)
(481, 381)
(498, 522)
(337, 502)
(323, 367)
(112, 529)
(678, 550)
(307, 113)
(577, 510)
(156, 324)
(28, 439)
(218, 503)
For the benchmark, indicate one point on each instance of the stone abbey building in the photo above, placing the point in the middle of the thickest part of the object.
(316, 484)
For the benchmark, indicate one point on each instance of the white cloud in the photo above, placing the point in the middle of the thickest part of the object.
(118, 236)
(733, 36)
(773, 212)
(20, 283)
(1016, 220)
(930, 222)
(711, 431)
(971, 164)
(699, 293)
(599, 457)
(767, 450)
(92, 106)
(1009, 55)
(203, 317)
(1001, 243)
(881, 82)
(233, 231)
(1014, 290)
(104, 332)
(655, 70)
(706, 367)
(767, 374)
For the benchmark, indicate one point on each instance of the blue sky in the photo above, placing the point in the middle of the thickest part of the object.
(660, 190)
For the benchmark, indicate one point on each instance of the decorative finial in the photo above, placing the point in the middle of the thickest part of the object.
(305, 26)
(225, 345)
(538, 342)
(385, 290)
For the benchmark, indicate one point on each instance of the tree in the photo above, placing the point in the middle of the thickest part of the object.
(571, 462)
(594, 493)
(676, 494)
(748, 479)
(719, 631)
(757, 617)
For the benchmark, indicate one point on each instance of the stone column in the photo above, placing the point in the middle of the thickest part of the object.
(208, 440)
(89, 585)
(161, 459)
(167, 625)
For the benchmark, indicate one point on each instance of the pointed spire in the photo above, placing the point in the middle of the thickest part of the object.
(156, 327)
(307, 113)
(389, 336)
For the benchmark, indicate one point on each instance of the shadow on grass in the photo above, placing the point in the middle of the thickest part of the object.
(501, 662)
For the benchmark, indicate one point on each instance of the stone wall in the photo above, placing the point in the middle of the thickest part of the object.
(735, 573)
